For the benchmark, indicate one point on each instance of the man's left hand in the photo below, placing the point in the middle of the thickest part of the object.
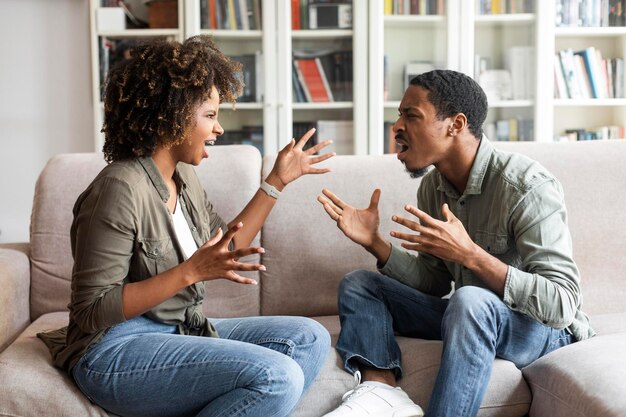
(446, 239)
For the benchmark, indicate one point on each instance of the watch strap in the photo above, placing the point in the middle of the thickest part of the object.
(270, 190)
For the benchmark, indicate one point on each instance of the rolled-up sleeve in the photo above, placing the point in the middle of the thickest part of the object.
(546, 286)
(103, 237)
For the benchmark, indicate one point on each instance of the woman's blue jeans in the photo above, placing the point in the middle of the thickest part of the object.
(260, 366)
(474, 324)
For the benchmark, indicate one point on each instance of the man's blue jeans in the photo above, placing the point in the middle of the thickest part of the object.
(260, 366)
(474, 324)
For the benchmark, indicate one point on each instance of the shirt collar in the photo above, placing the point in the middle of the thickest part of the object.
(157, 180)
(477, 173)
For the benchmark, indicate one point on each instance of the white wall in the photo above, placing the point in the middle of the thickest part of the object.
(45, 104)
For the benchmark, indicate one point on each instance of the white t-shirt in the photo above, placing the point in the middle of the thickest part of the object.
(183, 232)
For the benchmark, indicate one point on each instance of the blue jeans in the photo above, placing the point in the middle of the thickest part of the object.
(260, 366)
(474, 324)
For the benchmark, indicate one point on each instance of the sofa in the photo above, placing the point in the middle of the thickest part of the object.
(307, 256)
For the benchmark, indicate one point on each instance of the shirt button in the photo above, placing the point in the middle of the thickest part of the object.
(514, 305)
(545, 322)
(193, 228)
(155, 252)
(462, 203)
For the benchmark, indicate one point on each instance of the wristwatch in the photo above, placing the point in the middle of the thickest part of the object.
(270, 190)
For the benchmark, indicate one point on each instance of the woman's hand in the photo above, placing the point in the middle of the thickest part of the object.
(293, 162)
(215, 261)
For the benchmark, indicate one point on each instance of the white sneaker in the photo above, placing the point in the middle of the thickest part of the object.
(367, 400)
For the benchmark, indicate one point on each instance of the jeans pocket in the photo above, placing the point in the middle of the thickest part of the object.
(284, 346)
(563, 339)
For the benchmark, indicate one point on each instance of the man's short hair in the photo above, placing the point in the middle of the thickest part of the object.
(452, 92)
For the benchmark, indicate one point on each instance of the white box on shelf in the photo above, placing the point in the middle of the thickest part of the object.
(110, 18)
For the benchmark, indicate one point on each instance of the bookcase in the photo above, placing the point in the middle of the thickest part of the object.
(386, 41)
(268, 46)
(110, 36)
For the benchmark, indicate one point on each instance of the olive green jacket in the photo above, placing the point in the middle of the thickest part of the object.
(123, 232)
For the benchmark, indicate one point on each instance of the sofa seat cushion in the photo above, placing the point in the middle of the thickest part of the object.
(508, 394)
(31, 385)
(585, 379)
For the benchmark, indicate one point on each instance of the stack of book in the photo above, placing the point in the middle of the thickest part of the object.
(230, 14)
(322, 76)
(585, 74)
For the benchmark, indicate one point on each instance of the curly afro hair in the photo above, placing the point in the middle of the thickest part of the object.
(150, 98)
(452, 92)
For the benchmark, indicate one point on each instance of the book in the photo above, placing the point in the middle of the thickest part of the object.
(313, 80)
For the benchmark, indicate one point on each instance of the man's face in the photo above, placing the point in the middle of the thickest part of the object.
(420, 137)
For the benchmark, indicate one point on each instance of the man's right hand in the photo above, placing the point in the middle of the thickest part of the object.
(360, 225)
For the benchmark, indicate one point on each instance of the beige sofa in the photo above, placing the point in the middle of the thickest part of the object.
(306, 257)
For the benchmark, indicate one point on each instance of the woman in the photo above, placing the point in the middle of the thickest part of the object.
(144, 240)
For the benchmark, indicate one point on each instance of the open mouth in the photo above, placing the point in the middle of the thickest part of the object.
(209, 142)
(401, 147)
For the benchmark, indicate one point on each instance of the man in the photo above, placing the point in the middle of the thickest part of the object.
(493, 223)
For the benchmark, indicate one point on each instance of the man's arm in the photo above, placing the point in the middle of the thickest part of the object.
(425, 273)
(547, 284)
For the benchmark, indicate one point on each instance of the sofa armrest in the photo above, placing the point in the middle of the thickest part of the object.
(15, 294)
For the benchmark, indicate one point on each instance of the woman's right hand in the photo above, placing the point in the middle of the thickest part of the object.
(215, 261)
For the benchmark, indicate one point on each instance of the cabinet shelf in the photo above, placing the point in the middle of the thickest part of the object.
(139, 33)
(510, 104)
(241, 106)
(322, 34)
(323, 106)
(505, 19)
(233, 34)
(592, 102)
(599, 32)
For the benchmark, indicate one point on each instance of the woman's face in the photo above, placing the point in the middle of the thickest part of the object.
(206, 129)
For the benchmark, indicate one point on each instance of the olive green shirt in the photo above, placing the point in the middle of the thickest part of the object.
(123, 232)
(514, 209)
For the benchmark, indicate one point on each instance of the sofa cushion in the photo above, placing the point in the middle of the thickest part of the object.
(585, 379)
(228, 169)
(31, 386)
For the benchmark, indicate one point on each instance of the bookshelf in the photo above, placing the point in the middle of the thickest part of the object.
(278, 111)
(381, 44)
(106, 33)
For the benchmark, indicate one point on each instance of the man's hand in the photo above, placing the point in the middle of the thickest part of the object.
(360, 225)
(214, 260)
(293, 162)
(446, 240)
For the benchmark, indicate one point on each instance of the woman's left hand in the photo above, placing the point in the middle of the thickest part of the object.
(293, 162)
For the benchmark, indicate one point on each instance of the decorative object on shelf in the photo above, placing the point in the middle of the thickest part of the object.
(324, 15)
(162, 14)
(110, 19)
(497, 84)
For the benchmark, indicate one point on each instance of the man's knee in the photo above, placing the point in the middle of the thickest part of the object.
(357, 281)
(470, 303)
